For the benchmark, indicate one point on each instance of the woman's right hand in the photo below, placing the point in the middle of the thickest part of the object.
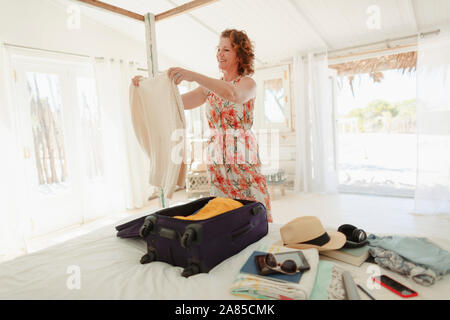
(136, 80)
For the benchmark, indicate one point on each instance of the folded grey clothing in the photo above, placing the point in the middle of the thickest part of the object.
(419, 251)
(393, 261)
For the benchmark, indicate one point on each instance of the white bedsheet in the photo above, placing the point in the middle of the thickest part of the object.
(109, 268)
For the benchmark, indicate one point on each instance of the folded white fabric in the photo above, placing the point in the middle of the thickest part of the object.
(258, 287)
(157, 114)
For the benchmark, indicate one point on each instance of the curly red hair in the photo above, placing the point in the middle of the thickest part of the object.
(243, 48)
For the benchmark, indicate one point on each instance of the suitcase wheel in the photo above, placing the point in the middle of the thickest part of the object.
(146, 228)
(256, 210)
(148, 257)
(187, 238)
(191, 270)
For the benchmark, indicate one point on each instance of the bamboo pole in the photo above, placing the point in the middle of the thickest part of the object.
(412, 46)
(37, 138)
(50, 139)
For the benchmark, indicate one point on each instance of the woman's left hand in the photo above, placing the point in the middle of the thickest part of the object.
(179, 74)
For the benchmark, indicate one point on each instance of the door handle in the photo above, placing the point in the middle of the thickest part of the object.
(26, 153)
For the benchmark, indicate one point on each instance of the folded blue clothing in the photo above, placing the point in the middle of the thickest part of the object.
(417, 250)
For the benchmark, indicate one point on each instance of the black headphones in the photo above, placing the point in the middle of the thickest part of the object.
(356, 238)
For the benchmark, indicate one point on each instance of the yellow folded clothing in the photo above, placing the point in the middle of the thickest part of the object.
(213, 208)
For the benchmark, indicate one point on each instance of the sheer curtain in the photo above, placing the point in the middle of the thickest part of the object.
(126, 165)
(433, 125)
(315, 170)
(123, 183)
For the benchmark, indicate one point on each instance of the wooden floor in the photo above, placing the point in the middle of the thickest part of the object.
(378, 215)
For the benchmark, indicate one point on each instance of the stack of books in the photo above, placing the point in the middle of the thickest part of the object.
(355, 256)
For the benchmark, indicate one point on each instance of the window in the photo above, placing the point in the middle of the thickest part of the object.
(272, 106)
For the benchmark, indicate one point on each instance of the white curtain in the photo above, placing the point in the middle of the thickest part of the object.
(433, 125)
(124, 183)
(126, 165)
(14, 222)
(315, 169)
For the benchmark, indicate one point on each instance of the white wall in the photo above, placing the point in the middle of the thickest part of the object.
(43, 24)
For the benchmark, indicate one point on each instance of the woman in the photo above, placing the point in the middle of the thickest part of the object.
(236, 168)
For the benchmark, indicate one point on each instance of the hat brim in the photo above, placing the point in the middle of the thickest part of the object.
(337, 241)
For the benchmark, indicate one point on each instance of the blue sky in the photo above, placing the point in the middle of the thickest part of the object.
(395, 87)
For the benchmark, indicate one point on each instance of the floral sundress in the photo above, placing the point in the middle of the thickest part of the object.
(233, 157)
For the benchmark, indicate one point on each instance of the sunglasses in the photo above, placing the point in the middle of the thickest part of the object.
(288, 266)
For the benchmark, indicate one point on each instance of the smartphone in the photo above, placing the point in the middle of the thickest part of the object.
(297, 256)
(395, 286)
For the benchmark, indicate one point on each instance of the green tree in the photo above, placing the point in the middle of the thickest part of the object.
(380, 114)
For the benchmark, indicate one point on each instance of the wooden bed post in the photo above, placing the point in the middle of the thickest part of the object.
(152, 66)
(150, 39)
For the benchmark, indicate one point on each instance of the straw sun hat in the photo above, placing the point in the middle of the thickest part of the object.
(307, 232)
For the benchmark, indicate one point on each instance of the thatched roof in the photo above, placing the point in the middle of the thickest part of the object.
(375, 66)
(402, 61)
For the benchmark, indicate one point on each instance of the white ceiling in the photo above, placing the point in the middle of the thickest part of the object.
(278, 28)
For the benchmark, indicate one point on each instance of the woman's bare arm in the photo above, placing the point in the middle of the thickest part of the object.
(194, 98)
(241, 93)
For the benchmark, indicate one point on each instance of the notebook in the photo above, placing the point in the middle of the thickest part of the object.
(251, 268)
(353, 256)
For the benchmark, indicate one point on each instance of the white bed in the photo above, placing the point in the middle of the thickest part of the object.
(109, 268)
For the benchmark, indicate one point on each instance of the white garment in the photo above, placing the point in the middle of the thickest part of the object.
(157, 113)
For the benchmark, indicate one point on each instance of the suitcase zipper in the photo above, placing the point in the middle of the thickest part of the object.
(239, 233)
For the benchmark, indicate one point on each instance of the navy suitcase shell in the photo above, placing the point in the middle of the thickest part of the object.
(197, 246)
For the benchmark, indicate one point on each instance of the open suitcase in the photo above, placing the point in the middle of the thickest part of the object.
(197, 246)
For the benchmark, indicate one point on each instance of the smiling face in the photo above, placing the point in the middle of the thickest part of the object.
(226, 56)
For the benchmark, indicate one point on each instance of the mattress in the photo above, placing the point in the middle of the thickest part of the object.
(99, 265)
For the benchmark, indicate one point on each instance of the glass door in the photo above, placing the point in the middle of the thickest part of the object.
(47, 114)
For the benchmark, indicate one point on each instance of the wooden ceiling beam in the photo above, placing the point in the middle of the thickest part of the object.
(185, 8)
(109, 7)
